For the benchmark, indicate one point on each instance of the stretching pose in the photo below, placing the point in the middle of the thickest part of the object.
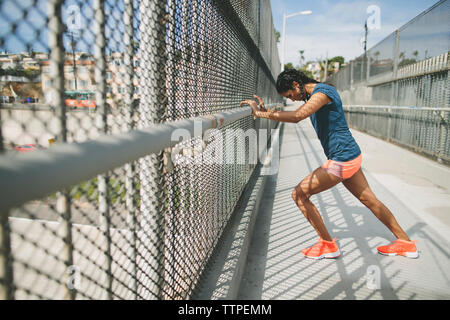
(324, 107)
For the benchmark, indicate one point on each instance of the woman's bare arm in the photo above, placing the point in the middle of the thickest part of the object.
(316, 101)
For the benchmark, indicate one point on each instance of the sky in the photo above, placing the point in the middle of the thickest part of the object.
(30, 16)
(335, 27)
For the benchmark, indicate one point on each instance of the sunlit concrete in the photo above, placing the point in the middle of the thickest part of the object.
(416, 190)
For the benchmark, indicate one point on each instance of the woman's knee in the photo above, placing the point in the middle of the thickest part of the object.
(298, 195)
(370, 202)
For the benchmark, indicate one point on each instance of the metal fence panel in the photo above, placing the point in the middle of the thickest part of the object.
(425, 130)
(72, 71)
(426, 36)
(382, 56)
(402, 95)
(407, 68)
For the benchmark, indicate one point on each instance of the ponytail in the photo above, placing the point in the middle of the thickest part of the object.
(287, 77)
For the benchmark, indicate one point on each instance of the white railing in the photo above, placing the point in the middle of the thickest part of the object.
(424, 130)
(431, 65)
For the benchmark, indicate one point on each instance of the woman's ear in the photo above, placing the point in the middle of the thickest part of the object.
(295, 85)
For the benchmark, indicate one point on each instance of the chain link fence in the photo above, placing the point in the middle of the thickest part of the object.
(75, 71)
(388, 91)
(424, 130)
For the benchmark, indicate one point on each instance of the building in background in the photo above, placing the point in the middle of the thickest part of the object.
(315, 69)
(115, 79)
(20, 77)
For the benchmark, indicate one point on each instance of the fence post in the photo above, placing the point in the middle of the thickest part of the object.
(6, 261)
(395, 69)
(364, 120)
(442, 136)
(151, 108)
(368, 66)
(388, 131)
(63, 202)
(351, 75)
(103, 180)
(130, 185)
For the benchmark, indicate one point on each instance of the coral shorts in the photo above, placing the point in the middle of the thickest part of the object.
(343, 170)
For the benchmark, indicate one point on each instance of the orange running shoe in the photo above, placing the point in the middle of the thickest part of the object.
(323, 249)
(400, 247)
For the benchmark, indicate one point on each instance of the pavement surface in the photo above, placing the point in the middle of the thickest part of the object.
(415, 189)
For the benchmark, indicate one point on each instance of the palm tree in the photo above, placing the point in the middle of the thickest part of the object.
(302, 56)
(376, 54)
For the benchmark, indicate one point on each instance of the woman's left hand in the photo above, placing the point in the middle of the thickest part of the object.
(252, 105)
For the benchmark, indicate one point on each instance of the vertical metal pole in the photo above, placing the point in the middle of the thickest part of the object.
(6, 270)
(204, 174)
(351, 74)
(202, 72)
(184, 57)
(2, 147)
(183, 170)
(363, 60)
(6, 259)
(389, 124)
(194, 214)
(173, 62)
(366, 31)
(72, 42)
(194, 63)
(130, 186)
(152, 106)
(57, 54)
(100, 79)
(283, 43)
(212, 51)
(64, 209)
(394, 85)
(442, 136)
(396, 53)
(171, 67)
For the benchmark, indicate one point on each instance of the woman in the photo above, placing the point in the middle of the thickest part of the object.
(323, 105)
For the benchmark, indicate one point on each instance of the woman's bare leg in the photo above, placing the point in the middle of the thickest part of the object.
(359, 187)
(318, 181)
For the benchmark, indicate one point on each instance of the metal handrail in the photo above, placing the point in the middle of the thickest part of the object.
(396, 107)
(25, 177)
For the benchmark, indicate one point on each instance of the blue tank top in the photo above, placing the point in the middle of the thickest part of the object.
(332, 128)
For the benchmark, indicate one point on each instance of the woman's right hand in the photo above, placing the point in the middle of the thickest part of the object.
(261, 105)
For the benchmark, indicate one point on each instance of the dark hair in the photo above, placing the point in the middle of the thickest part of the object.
(287, 77)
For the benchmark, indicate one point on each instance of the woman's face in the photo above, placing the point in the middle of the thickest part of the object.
(295, 93)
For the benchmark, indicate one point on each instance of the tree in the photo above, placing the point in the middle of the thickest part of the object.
(277, 36)
(307, 73)
(302, 56)
(376, 54)
(288, 65)
(330, 65)
(339, 59)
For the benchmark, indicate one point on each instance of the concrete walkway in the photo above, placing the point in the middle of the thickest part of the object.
(417, 191)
